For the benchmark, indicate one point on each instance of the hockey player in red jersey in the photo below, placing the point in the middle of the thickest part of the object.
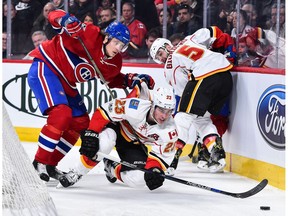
(203, 81)
(58, 65)
(138, 121)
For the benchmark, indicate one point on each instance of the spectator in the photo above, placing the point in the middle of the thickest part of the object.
(137, 29)
(27, 13)
(159, 4)
(169, 21)
(244, 59)
(176, 38)
(81, 7)
(229, 24)
(262, 45)
(196, 5)
(59, 4)
(187, 23)
(42, 23)
(244, 27)
(5, 12)
(146, 12)
(272, 22)
(103, 4)
(14, 25)
(107, 16)
(217, 14)
(37, 37)
(251, 14)
(88, 18)
(143, 52)
(4, 45)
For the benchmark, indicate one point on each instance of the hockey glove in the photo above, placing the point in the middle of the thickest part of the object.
(90, 143)
(72, 25)
(154, 178)
(132, 80)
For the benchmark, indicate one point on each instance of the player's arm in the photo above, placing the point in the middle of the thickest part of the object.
(153, 178)
(60, 20)
(109, 112)
(226, 42)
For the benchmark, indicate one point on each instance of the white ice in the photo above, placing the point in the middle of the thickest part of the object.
(94, 195)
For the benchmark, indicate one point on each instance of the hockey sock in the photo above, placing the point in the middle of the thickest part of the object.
(48, 139)
(66, 142)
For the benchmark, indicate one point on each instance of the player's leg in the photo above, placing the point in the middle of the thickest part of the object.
(223, 90)
(107, 141)
(134, 154)
(196, 100)
(52, 101)
(79, 122)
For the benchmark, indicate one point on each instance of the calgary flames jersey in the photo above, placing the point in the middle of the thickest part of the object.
(190, 60)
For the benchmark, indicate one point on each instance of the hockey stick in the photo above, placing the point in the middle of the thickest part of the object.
(178, 153)
(175, 161)
(96, 68)
(242, 195)
(106, 85)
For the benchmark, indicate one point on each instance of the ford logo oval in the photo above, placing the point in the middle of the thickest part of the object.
(271, 116)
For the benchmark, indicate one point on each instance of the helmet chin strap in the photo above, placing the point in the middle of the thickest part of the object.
(151, 116)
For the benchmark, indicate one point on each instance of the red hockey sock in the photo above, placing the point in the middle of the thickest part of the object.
(48, 139)
(67, 141)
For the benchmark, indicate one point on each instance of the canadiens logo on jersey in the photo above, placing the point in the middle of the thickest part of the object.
(84, 72)
(134, 104)
(173, 134)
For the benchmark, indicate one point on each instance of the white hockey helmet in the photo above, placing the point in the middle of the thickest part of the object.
(157, 44)
(165, 98)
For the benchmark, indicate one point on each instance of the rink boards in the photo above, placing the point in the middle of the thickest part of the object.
(255, 140)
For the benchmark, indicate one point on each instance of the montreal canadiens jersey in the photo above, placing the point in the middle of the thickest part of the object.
(135, 111)
(66, 57)
(190, 60)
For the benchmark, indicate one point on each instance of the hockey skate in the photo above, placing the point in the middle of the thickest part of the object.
(217, 161)
(53, 172)
(203, 158)
(108, 170)
(42, 171)
(69, 178)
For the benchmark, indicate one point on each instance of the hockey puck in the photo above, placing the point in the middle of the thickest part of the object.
(265, 208)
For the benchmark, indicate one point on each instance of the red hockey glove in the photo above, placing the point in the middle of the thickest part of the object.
(72, 25)
(132, 80)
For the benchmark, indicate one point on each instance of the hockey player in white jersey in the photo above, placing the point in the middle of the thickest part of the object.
(203, 81)
(137, 122)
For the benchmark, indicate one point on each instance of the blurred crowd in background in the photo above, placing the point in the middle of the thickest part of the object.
(256, 26)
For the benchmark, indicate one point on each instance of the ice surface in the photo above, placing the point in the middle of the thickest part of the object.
(94, 195)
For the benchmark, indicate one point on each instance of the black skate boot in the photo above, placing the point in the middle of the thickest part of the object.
(108, 170)
(53, 172)
(217, 159)
(203, 158)
(70, 178)
(41, 169)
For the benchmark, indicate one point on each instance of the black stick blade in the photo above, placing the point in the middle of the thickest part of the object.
(253, 191)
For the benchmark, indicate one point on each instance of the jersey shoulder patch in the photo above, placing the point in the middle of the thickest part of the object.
(133, 104)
